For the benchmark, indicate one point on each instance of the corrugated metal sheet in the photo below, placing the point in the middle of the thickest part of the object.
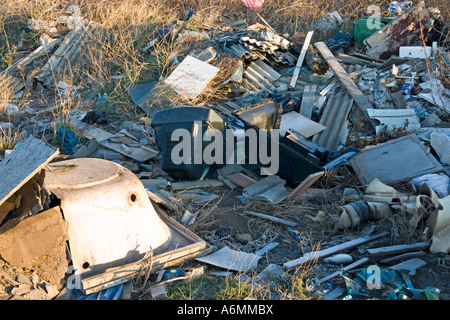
(335, 115)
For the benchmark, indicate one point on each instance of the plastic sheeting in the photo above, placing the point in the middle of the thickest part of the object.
(112, 293)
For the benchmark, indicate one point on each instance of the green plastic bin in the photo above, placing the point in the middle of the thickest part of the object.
(363, 28)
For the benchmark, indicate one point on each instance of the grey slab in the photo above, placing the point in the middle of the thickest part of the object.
(140, 91)
(231, 260)
(22, 164)
(396, 160)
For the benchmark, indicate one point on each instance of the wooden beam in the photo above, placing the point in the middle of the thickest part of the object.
(271, 218)
(404, 256)
(410, 265)
(300, 59)
(305, 184)
(358, 97)
(208, 183)
(398, 249)
(241, 179)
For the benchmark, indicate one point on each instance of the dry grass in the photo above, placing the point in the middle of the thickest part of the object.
(127, 27)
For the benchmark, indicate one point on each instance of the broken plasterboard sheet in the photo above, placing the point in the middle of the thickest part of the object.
(22, 164)
(441, 241)
(441, 145)
(232, 260)
(271, 188)
(299, 123)
(130, 148)
(191, 77)
(391, 119)
(387, 161)
(441, 233)
(417, 52)
(436, 94)
(443, 216)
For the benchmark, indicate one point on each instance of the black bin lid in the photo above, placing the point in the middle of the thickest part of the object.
(181, 115)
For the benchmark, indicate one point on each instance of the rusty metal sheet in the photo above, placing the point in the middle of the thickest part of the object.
(404, 31)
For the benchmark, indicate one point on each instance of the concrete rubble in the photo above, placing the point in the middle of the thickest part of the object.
(374, 115)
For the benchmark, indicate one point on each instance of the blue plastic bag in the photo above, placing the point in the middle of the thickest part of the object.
(68, 141)
(112, 293)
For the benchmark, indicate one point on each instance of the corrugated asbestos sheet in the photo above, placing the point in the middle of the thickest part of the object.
(245, 53)
(260, 75)
(335, 115)
(271, 50)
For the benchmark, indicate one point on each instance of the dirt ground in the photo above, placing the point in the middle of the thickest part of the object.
(228, 212)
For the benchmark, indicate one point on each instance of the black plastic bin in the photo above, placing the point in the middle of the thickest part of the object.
(167, 121)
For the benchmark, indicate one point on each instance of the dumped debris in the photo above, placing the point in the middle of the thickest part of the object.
(241, 113)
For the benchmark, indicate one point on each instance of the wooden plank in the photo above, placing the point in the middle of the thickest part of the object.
(305, 184)
(301, 58)
(376, 252)
(391, 61)
(410, 265)
(333, 294)
(306, 107)
(404, 256)
(271, 218)
(241, 179)
(358, 97)
(22, 164)
(314, 256)
(355, 60)
(211, 183)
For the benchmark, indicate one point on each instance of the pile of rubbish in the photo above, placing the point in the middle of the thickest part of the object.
(295, 112)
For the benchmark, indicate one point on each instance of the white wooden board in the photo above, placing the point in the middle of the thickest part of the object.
(191, 77)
